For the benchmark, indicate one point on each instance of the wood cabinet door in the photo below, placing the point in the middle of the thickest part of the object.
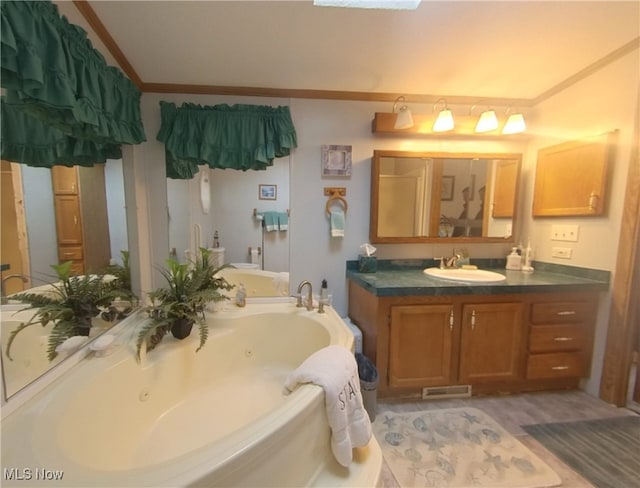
(420, 345)
(491, 342)
(571, 178)
(504, 193)
(68, 219)
(64, 180)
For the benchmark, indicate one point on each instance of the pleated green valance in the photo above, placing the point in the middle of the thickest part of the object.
(50, 71)
(26, 139)
(224, 136)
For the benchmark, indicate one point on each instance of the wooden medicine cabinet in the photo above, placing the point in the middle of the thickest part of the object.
(571, 178)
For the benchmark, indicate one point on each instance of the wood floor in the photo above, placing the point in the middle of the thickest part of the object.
(513, 411)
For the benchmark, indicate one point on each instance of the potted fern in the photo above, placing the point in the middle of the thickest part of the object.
(71, 305)
(181, 304)
(122, 274)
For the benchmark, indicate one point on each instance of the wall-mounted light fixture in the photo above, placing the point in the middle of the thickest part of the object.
(440, 121)
(404, 119)
(515, 124)
(487, 121)
(444, 120)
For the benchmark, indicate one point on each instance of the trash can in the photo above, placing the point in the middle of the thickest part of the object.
(368, 384)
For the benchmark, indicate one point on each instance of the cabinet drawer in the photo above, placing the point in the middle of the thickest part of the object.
(551, 338)
(560, 312)
(556, 365)
(77, 268)
(70, 253)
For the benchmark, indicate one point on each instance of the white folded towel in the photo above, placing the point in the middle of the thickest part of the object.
(336, 221)
(334, 368)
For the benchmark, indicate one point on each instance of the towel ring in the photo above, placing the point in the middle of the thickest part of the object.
(334, 198)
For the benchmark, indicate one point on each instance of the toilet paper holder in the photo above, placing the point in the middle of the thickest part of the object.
(259, 251)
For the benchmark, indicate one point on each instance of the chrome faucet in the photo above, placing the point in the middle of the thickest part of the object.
(309, 295)
(449, 263)
(3, 295)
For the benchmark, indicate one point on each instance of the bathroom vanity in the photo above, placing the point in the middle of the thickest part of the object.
(532, 331)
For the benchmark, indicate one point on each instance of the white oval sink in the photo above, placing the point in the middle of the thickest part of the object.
(467, 275)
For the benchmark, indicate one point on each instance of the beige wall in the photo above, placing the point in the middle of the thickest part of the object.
(605, 101)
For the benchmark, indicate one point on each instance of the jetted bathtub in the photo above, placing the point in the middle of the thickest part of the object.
(217, 417)
(257, 282)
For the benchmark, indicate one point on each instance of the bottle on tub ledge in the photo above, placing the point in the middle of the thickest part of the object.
(324, 293)
(241, 296)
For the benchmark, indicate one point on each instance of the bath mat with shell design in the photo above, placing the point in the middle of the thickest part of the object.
(457, 447)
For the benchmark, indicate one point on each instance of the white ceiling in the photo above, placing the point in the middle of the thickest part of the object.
(505, 49)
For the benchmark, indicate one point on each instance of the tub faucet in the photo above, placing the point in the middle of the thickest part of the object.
(3, 295)
(309, 295)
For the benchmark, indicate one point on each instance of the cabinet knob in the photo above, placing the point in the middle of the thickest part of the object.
(473, 319)
(562, 339)
(559, 368)
(451, 320)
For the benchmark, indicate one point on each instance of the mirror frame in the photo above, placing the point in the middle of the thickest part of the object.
(375, 195)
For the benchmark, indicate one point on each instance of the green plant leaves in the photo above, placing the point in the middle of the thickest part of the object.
(70, 305)
(190, 286)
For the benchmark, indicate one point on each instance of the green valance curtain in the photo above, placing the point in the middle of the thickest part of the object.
(224, 136)
(52, 74)
(25, 139)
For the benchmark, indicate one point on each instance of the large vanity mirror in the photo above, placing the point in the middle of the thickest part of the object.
(443, 197)
(50, 216)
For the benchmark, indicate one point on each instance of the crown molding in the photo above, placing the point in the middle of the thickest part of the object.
(101, 31)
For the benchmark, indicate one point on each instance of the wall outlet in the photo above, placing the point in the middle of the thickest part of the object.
(561, 252)
(564, 233)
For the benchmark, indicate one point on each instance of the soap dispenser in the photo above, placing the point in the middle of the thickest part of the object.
(514, 260)
(324, 292)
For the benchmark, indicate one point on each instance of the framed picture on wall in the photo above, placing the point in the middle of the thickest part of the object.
(446, 191)
(267, 192)
(336, 160)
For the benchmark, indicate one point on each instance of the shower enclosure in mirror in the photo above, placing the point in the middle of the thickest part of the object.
(442, 197)
(234, 214)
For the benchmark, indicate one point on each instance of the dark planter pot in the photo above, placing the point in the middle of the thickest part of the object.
(181, 328)
(83, 328)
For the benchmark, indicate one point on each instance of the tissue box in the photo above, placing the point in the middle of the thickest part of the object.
(367, 264)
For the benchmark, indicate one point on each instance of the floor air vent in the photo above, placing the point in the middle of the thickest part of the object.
(438, 392)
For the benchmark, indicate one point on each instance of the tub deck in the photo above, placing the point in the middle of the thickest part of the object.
(182, 418)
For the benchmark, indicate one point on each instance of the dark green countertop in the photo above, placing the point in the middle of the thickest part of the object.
(406, 277)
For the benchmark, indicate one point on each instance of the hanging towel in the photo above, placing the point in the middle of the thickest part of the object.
(283, 221)
(336, 223)
(270, 221)
(334, 368)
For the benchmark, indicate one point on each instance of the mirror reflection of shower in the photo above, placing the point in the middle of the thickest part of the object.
(233, 197)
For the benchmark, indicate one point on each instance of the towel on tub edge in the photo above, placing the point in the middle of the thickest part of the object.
(334, 368)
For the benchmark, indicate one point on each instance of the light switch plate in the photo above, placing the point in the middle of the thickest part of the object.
(564, 233)
(561, 252)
